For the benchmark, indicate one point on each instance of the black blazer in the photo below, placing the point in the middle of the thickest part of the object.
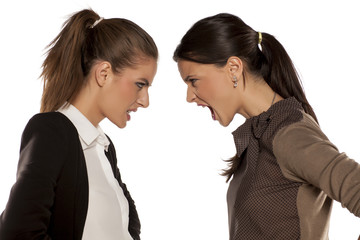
(49, 199)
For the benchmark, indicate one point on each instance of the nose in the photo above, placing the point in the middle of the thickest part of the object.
(190, 95)
(143, 100)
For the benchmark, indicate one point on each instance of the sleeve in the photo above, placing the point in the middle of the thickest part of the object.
(28, 211)
(306, 155)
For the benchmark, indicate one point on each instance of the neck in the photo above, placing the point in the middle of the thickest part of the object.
(85, 102)
(257, 98)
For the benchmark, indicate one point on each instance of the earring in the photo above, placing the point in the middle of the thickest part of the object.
(235, 81)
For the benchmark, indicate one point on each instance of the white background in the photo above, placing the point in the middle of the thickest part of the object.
(170, 155)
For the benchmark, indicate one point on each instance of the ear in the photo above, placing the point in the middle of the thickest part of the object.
(235, 67)
(102, 73)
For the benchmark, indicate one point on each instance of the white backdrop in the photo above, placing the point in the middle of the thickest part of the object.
(170, 155)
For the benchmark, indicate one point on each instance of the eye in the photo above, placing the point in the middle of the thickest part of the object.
(192, 81)
(140, 85)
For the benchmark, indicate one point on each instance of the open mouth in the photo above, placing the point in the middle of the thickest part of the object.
(128, 113)
(211, 110)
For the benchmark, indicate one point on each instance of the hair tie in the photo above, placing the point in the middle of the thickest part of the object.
(97, 22)
(260, 41)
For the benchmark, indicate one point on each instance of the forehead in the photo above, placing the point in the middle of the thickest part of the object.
(145, 69)
(146, 63)
(188, 68)
(186, 65)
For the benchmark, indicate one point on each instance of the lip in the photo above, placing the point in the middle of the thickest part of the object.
(128, 113)
(211, 110)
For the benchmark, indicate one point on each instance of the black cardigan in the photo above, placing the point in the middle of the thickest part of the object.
(49, 199)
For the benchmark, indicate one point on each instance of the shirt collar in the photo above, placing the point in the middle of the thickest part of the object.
(87, 131)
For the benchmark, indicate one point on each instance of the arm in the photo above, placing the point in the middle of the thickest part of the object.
(28, 211)
(306, 155)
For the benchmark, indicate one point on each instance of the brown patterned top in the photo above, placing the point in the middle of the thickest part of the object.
(269, 197)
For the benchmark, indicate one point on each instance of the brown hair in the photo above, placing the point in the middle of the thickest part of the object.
(79, 44)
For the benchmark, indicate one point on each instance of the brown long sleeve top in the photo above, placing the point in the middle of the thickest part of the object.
(289, 172)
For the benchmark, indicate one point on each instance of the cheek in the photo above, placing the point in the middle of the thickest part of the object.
(214, 91)
(219, 95)
(116, 103)
(123, 93)
(117, 99)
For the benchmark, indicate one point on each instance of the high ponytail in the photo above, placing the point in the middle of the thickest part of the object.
(214, 39)
(62, 70)
(79, 44)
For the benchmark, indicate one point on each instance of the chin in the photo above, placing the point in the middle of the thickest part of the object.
(225, 122)
(119, 124)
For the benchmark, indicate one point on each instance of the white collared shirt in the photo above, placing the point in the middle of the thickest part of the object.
(108, 209)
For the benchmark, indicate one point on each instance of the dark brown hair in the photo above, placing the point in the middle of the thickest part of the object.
(73, 52)
(214, 39)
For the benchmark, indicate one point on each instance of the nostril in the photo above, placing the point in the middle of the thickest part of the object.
(190, 99)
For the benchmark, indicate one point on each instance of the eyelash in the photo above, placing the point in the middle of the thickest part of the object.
(192, 81)
(140, 85)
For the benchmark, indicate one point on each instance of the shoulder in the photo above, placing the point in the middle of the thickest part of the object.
(282, 114)
(49, 128)
(53, 121)
(299, 145)
(279, 115)
(50, 119)
(307, 127)
(48, 141)
(287, 112)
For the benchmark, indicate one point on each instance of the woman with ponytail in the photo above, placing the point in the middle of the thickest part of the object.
(68, 185)
(286, 172)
